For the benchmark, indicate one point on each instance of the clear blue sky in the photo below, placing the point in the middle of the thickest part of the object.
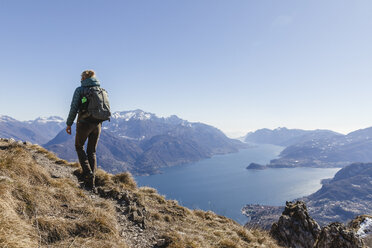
(238, 65)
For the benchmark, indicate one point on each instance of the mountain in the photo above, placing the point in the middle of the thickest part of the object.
(37, 131)
(285, 137)
(344, 197)
(333, 151)
(43, 204)
(49, 126)
(143, 143)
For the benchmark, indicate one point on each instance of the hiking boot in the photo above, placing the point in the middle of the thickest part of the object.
(89, 182)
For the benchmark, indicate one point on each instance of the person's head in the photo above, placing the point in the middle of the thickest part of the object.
(87, 74)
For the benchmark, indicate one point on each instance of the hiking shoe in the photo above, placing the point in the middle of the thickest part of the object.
(89, 182)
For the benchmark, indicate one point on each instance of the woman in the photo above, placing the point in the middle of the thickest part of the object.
(86, 128)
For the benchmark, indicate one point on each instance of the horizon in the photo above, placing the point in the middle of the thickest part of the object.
(236, 65)
(232, 135)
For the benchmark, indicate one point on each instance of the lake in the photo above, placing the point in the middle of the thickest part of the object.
(224, 185)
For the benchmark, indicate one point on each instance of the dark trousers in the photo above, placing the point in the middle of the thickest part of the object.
(88, 160)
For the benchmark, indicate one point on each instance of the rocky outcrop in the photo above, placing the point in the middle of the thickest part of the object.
(336, 235)
(295, 227)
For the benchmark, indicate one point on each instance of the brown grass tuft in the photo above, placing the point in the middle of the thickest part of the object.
(125, 178)
(226, 243)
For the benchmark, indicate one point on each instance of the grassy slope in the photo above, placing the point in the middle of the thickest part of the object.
(38, 210)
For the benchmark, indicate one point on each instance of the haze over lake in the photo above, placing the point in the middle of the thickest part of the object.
(224, 185)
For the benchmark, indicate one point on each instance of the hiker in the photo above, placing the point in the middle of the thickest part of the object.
(90, 102)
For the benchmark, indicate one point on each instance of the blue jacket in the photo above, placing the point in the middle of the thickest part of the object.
(76, 99)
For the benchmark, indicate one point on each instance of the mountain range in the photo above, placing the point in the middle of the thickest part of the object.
(135, 141)
(39, 131)
(317, 148)
(143, 143)
(286, 137)
(333, 151)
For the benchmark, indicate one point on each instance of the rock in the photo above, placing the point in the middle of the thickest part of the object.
(362, 225)
(162, 243)
(26, 143)
(295, 227)
(137, 218)
(336, 235)
(108, 193)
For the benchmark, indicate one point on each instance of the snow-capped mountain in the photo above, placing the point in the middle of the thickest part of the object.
(44, 120)
(133, 115)
(139, 125)
(5, 118)
(132, 140)
(143, 142)
(39, 131)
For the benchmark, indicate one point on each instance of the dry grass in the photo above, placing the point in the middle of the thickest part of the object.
(37, 210)
(197, 228)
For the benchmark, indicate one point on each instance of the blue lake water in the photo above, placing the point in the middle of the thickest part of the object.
(224, 185)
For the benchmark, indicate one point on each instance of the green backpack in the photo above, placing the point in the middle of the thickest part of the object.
(95, 103)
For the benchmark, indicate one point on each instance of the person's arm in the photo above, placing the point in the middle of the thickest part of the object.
(75, 103)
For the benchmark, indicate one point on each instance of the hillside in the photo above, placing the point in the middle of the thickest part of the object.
(334, 151)
(43, 205)
(345, 196)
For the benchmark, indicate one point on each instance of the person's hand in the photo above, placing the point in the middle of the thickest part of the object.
(68, 130)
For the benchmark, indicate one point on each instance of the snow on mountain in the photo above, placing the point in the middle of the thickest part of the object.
(44, 120)
(5, 118)
(365, 227)
(133, 115)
